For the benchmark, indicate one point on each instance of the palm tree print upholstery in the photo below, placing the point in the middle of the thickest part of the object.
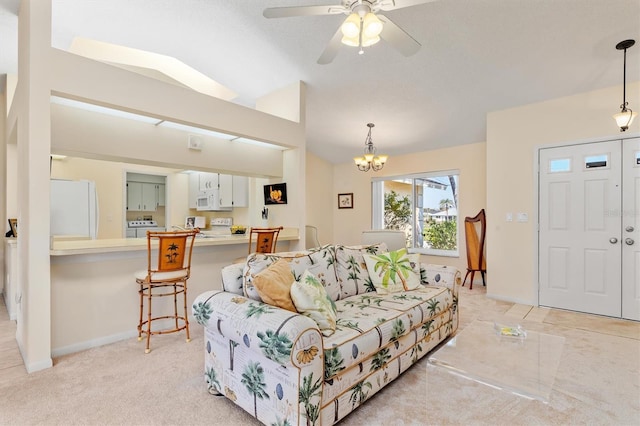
(277, 365)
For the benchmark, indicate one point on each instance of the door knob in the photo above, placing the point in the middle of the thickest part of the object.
(629, 241)
(613, 240)
(629, 229)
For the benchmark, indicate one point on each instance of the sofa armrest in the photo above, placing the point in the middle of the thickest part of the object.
(267, 330)
(441, 275)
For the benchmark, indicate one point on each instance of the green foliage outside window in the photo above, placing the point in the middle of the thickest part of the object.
(397, 211)
(441, 235)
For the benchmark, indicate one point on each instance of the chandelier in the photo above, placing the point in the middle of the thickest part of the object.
(370, 160)
(626, 115)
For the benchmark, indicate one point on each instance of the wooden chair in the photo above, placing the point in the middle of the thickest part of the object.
(475, 229)
(266, 239)
(166, 275)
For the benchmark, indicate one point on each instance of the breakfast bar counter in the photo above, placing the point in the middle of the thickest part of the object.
(84, 246)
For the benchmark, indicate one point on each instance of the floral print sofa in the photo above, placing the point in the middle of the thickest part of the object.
(280, 367)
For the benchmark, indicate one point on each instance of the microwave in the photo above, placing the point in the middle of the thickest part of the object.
(210, 201)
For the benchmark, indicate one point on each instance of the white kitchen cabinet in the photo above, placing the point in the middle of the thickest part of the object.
(142, 196)
(225, 183)
(161, 197)
(240, 191)
(208, 181)
(232, 191)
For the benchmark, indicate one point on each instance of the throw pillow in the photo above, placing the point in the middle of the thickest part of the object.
(311, 300)
(274, 285)
(351, 269)
(394, 271)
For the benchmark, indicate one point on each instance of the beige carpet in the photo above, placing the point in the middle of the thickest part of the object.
(598, 381)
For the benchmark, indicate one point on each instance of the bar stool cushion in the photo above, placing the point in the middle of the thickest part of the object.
(160, 276)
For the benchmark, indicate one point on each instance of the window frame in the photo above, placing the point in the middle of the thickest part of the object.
(377, 207)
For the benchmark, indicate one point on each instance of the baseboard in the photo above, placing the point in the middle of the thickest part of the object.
(105, 340)
(88, 344)
(32, 367)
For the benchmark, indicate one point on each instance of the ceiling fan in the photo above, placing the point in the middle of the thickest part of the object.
(363, 27)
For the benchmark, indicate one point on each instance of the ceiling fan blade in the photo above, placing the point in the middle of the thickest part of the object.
(332, 48)
(398, 38)
(387, 5)
(287, 12)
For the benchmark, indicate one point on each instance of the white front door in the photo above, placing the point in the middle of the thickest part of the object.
(631, 229)
(580, 228)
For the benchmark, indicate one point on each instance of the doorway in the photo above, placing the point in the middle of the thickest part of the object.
(589, 230)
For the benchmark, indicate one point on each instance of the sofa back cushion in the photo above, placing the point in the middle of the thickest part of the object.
(351, 269)
(318, 261)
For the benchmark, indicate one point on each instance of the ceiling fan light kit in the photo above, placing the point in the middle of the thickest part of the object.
(625, 117)
(370, 160)
(361, 30)
(363, 27)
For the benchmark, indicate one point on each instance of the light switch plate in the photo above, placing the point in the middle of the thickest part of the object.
(509, 217)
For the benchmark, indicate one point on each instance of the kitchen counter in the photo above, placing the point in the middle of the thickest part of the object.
(75, 247)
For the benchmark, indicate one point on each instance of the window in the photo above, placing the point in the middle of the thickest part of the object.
(560, 165)
(596, 161)
(423, 205)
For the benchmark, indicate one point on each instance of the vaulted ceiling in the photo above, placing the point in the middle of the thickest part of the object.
(477, 56)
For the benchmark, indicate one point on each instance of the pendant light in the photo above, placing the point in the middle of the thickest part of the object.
(625, 117)
(370, 160)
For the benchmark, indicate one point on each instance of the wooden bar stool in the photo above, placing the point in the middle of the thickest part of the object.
(166, 275)
(266, 239)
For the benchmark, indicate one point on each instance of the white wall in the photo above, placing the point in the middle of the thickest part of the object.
(512, 138)
(319, 198)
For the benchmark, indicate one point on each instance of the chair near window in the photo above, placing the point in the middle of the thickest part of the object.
(394, 239)
(311, 237)
(168, 269)
(265, 239)
(475, 229)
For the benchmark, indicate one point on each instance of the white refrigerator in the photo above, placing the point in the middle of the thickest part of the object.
(74, 208)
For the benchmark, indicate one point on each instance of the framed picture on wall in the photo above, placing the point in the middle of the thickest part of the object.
(345, 201)
(13, 226)
(275, 193)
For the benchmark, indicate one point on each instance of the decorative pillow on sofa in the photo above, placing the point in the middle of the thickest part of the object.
(274, 285)
(320, 259)
(311, 300)
(394, 271)
(232, 278)
(351, 269)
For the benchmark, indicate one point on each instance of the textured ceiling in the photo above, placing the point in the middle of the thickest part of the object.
(477, 56)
